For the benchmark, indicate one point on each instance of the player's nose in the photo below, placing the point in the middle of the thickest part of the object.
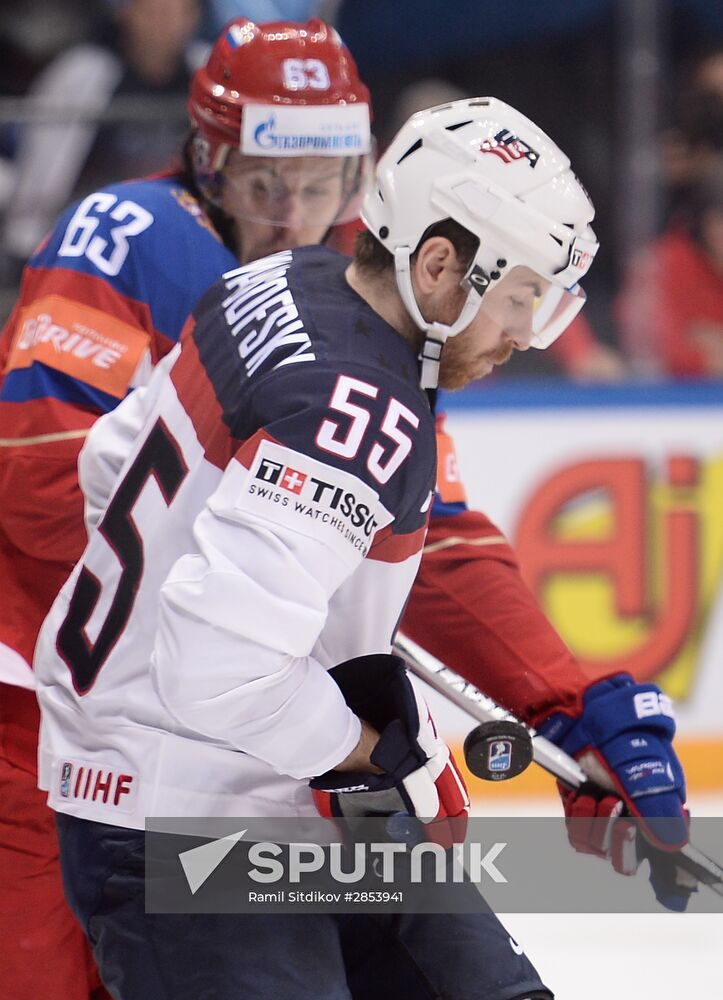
(291, 214)
(519, 333)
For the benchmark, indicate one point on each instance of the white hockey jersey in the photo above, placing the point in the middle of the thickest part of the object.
(260, 509)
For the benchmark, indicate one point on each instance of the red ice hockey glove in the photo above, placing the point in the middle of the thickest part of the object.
(420, 778)
(623, 739)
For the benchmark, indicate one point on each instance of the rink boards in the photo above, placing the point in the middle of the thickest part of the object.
(613, 499)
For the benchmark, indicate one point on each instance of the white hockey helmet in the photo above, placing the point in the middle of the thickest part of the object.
(488, 167)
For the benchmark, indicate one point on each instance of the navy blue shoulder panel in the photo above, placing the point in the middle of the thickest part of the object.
(291, 349)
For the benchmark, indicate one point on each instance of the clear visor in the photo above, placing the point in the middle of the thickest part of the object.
(529, 309)
(299, 192)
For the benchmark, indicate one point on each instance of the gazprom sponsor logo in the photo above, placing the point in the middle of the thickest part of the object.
(268, 139)
(314, 130)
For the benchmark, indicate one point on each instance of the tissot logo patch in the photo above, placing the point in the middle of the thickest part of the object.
(316, 499)
(281, 475)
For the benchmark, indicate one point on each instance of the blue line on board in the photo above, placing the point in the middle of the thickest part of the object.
(551, 393)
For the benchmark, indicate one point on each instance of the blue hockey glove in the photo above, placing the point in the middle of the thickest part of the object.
(420, 778)
(623, 740)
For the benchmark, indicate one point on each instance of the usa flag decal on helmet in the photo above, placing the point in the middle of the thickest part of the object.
(509, 148)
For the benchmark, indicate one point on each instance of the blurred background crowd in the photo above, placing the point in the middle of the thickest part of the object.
(94, 90)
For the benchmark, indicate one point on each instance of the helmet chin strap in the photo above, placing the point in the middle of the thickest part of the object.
(436, 333)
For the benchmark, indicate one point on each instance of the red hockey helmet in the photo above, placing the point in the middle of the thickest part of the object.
(278, 90)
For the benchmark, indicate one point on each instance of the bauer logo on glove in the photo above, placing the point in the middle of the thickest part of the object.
(623, 741)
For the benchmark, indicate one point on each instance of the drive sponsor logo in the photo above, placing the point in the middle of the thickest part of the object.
(510, 149)
(81, 781)
(313, 498)
(79, 341)
(90, 344)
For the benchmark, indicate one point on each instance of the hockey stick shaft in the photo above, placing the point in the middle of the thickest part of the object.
(556, 762)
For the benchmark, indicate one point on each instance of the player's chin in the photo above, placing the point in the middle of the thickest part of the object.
(283, 243)
(455, 378)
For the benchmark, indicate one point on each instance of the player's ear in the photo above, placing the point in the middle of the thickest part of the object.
(435, 262)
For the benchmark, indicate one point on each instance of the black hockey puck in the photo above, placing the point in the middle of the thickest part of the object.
(498, 750)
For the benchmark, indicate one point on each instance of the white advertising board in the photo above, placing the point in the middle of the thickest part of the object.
(613, 499)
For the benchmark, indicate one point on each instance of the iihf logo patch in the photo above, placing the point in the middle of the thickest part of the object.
(281, 475)
(500, 756)
(65, 776)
